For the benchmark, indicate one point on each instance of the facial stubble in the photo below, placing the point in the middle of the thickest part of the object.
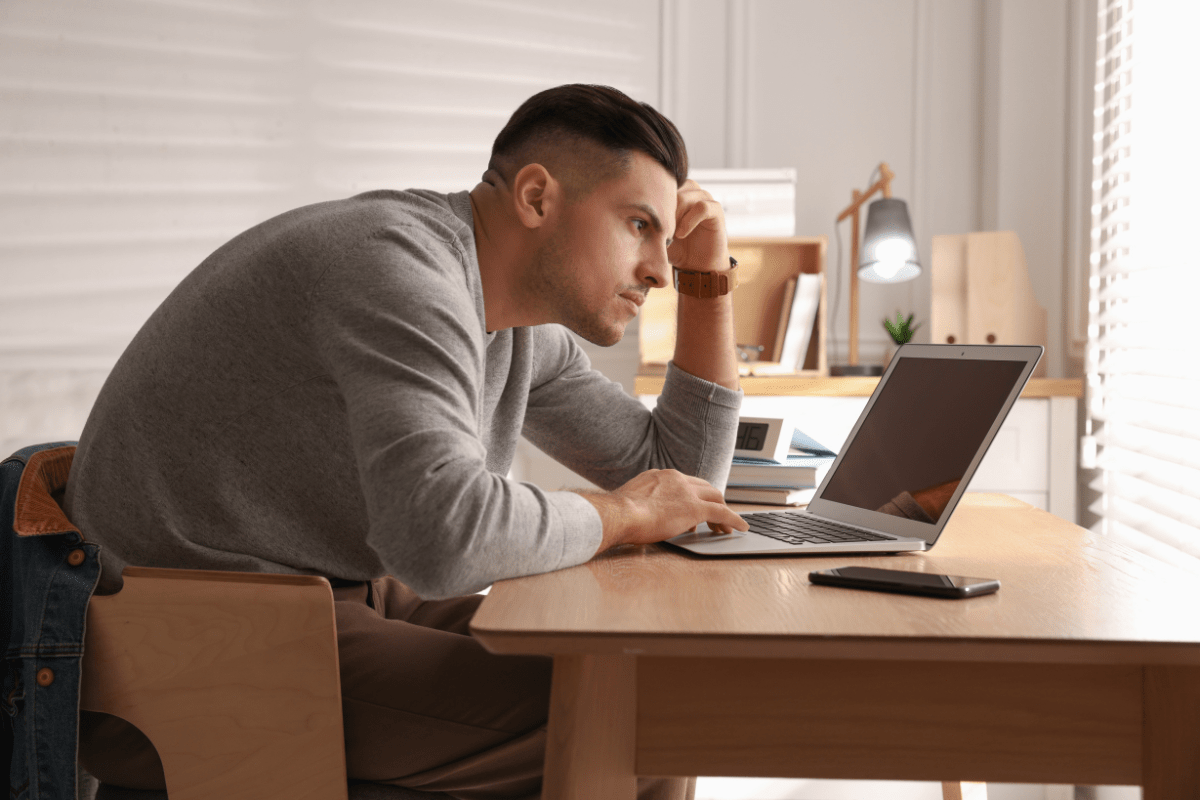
(550, 283)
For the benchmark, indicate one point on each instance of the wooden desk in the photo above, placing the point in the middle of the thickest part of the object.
(1084, 668)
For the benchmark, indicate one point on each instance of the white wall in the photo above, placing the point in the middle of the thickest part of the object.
(138, 136)
(968, 101)
(976, 104)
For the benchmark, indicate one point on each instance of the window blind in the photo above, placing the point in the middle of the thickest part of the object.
(1143, 364)
(138, 135)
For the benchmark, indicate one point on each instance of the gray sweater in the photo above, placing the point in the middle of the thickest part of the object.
(321, 396)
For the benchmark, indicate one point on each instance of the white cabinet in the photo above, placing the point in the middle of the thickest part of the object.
(1018, 461)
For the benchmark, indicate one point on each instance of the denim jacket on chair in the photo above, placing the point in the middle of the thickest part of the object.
(47, 577)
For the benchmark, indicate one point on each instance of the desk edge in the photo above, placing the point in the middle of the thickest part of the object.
(837, 648)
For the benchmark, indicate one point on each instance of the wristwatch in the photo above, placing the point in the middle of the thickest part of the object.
(706, 284)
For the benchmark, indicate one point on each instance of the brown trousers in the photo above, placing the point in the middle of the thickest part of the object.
(423, 705)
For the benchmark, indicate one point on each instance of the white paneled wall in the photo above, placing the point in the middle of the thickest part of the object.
(138, 135)
(45, 405)
(969, 101)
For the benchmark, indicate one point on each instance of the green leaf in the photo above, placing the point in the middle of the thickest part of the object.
(902, 329)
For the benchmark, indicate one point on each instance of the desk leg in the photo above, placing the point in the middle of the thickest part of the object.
(590, 741)
(1171, 733)
(959, 790)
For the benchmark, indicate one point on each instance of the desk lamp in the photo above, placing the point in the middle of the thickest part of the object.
(889, 255)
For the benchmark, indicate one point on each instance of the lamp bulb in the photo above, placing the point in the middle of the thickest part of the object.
(893, 249)
(888, 269)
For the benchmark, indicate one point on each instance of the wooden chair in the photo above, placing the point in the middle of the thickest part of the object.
(233, 677)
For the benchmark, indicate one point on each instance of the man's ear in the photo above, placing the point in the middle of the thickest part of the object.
(537, 196)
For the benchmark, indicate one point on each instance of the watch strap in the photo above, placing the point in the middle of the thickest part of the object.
(706, 284)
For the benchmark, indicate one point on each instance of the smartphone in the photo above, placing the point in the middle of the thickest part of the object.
(895, 580)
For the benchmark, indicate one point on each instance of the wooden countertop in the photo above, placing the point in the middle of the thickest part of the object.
(649, 381)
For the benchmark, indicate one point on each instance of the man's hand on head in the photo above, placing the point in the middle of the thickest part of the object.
(659, 504)
(700, 243)
(704, 331)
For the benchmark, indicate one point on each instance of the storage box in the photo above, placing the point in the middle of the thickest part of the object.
(982, 293)
(757, 202)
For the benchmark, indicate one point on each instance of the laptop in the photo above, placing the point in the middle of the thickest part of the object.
(906, 464)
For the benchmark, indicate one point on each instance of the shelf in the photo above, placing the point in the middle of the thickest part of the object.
(765, 265)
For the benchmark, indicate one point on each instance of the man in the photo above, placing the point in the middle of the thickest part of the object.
(339, 391)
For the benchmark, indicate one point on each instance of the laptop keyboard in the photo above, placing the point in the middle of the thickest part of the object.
(807, 529)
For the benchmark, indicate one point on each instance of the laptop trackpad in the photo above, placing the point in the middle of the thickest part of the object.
(704, 534)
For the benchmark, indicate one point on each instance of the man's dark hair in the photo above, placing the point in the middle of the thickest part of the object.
(566, 116)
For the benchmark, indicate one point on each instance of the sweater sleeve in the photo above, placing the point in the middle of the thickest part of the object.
(588, 423)
(398, 329)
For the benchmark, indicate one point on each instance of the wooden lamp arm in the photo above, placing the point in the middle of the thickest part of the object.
(884, 185)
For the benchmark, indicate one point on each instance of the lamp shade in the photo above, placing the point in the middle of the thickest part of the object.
(889, 252)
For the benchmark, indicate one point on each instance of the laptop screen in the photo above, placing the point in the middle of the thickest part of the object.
(921, 435)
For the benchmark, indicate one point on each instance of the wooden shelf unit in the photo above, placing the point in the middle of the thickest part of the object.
(764, 267)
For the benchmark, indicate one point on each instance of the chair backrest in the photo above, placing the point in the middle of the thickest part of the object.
(232, 676)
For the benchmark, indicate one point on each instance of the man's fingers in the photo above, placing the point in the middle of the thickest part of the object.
(690, 199)
(690, 193)
(741, 523)
(719, 516)
(694, 215)
(723, 515)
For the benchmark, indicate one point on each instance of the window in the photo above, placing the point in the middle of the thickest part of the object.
(1143, 362)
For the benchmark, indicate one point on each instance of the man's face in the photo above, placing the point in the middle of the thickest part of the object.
(606, 250)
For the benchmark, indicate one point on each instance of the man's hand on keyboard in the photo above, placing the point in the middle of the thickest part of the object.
(659, 504)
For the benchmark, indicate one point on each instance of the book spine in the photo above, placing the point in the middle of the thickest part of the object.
(779, 498)
(795, 478)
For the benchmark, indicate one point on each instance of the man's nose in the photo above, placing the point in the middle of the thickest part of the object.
(655, 271)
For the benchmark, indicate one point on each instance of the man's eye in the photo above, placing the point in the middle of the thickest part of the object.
(640, 224)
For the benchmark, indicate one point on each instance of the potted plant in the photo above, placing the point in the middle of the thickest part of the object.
(901, 330)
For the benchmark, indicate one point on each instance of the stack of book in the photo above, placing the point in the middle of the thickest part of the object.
(791, 482)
